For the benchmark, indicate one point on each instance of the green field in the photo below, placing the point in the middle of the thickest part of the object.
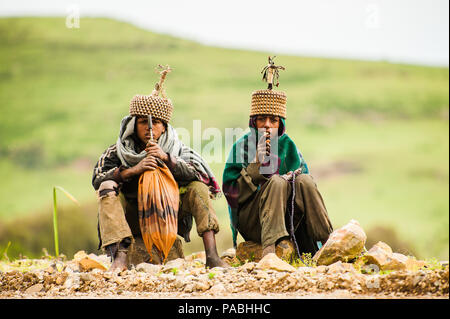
(374, 134)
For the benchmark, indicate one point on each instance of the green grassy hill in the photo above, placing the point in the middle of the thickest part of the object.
(374, 134)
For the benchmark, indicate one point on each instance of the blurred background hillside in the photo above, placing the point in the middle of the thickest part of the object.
(374, 133)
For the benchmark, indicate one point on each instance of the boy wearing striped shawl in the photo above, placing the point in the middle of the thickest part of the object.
(120, 166)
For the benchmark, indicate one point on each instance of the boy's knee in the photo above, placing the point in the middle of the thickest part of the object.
(306, 180)
(276, 181)
(198, 188)
(107, 187)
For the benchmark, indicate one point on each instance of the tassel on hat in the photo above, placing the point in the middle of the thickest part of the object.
(269, 102)
(159, 107)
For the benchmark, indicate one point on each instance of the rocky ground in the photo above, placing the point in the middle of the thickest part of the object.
(188, 278)
(342, 268)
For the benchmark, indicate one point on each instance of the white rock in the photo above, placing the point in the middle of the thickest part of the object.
(217, 289)
(343, 244)
(178, 263)
(148, 268)
(34, 289)
(271, 261)
(230, 252)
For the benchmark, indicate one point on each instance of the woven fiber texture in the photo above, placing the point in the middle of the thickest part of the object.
(268, 102)
(155, 106)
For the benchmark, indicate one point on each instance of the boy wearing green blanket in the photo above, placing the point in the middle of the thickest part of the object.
(266, 181)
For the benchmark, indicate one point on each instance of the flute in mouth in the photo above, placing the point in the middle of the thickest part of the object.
(267, 134)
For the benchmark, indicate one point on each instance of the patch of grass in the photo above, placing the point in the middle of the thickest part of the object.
(307, 261)
(211, 275)
(433, 264)
(4, 255)
(55, 215)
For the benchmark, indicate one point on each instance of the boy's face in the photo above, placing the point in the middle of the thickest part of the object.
(143, 132)
(268, 122)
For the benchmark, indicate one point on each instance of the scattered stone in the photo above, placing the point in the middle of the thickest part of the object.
(79, 255)
(322, 269)
(379, 255)
(72, 282)
(61, 279)
(383, 246)
(148, 268)
(396, 262)
(51, 269)
(87, 262)
(413, 264)
(340, 267)
(248, 267)
(285, 249)
(271, 275)
(202, 285)
(217, 289)
(272, 261)
(229, 253)
(176, 263)
(34, 289)
(249, 251)
(344, 244)
(200, 256)
(87, 277)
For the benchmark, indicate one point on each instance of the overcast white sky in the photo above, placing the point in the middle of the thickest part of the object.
(410, 31)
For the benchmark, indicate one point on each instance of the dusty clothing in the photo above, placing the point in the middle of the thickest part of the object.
(118, 216)
(284, 157)
(108, 167)
(130, 155)
(116, 222)
(262, 213)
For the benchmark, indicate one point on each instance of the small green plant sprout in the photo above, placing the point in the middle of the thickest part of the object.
(211, 275)
(55, 215)
(236, 263)
(175, 271)
(4, 255)
(433, 264)
(307, 261)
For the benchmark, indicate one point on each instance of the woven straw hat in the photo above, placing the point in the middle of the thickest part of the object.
(159, 107)
(268, 101)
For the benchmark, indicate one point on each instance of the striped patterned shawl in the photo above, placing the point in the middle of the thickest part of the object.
(169, 143)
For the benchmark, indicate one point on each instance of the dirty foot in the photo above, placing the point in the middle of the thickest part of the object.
(268, 250)
(120, 262)
(285, 249)
(212, 262)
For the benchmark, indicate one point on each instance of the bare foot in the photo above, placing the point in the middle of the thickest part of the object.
(268, 250)
(120, 262)
(212, 262)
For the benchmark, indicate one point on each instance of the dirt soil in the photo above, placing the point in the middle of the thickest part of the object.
(188, 278)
